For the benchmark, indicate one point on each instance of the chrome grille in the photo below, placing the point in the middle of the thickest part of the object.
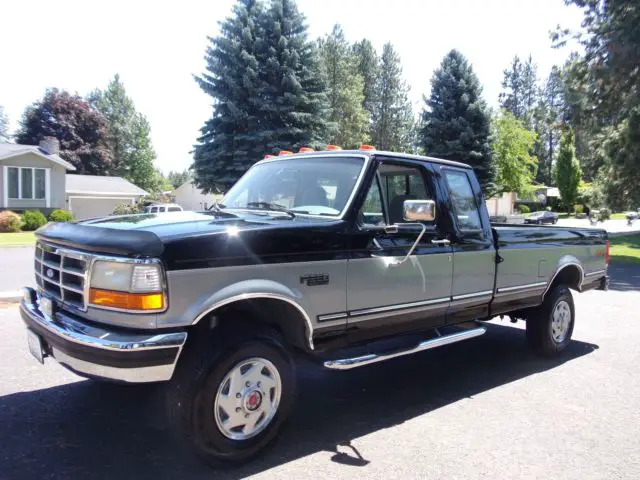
(62, 274)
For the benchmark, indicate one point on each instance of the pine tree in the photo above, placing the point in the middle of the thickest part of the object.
(369, 68)
(548, 121)
(568, 172)
(129, 137)
(456, 121)
(292, 103)
(392, 118)
(233, 138)
(4, 126)
(345, 91)
(519, 96)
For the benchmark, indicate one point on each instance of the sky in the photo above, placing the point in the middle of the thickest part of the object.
(157, 47)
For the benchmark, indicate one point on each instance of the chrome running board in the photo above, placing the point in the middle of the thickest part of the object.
(348, 363)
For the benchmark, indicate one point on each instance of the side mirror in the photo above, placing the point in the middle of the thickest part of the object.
(419, 210)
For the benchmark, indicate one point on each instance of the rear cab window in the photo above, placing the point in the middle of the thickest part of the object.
(463, 201)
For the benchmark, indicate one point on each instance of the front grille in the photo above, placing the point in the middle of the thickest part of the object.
(62, 274)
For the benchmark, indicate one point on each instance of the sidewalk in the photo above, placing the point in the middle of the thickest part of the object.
(16, 265)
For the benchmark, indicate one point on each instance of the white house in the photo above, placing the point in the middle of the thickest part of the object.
(190, 197)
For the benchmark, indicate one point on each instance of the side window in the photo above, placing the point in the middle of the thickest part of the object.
(371, 212)
(174, 209)
(463, 201)
(154, 209)
(402, 182)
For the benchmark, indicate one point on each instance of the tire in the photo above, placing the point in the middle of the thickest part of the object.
(546, 337)
(201, 388)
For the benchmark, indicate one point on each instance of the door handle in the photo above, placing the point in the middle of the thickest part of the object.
(443, 242)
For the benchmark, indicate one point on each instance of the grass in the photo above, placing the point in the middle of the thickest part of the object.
(625, 249)
(18, 239)
(618, 216)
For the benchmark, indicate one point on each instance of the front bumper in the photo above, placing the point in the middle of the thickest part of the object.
(98, 352)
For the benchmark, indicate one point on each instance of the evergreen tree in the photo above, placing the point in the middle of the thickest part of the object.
(456, 122)
(568, 172)
(345, 91)
(231, 139)
(129, 137)
(519, 95)
(293, 104)
(392, 118)
(369, 68)
(177, 178)
(81, 130)
(4, 126)
(548, 121)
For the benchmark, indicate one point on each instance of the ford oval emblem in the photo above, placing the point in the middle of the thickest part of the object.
(49, 273)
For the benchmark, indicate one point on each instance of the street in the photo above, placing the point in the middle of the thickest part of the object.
(484, 408)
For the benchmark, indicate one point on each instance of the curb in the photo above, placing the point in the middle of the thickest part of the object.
(11, 297)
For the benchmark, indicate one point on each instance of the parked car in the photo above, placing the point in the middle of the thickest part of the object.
(162, 208)
(632, 216)
(328, 256)
(542, 217)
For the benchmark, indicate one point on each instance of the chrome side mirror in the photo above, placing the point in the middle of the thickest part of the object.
(419, 210)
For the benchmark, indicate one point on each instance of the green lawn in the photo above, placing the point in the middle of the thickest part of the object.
(625, 249)
(17, 239)
(618, 216)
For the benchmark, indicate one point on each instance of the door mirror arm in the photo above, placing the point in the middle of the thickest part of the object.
(396, 227)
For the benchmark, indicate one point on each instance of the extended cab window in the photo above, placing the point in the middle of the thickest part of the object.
(396, 184)
(463, 200)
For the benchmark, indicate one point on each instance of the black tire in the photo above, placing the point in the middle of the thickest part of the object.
(540, 334)
(193, 389)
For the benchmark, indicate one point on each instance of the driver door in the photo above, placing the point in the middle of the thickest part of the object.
(385, 296)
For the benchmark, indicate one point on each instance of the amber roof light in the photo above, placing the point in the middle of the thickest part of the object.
(306, 149)
(333, 147)
(285, 152)
(367, 147)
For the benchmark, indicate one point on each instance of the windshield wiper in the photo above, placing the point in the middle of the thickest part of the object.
(271, 206)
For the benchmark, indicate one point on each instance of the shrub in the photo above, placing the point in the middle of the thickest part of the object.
(10, 222)
(60, 216)
(524, 209)
(579, 209)
(125, 209)
(604, 214)
(33, 220)
(548, 209)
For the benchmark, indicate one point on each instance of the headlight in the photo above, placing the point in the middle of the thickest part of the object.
(127, 286)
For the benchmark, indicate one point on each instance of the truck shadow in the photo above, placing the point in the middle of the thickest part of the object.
(88, 429)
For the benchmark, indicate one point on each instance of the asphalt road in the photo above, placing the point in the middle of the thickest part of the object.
(17, 268)
(485, 408)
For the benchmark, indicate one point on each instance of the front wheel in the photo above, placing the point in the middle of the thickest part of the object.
(232, 405)
(550, 327)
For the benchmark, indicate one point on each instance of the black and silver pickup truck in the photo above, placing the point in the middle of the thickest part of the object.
(328, 255)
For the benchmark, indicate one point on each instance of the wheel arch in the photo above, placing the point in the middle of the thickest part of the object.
(262, 301)
(569, 272)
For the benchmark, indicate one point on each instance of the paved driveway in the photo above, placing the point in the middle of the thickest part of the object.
(484, 408)
(16, 268)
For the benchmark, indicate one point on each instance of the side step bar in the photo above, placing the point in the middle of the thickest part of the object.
(349, 363)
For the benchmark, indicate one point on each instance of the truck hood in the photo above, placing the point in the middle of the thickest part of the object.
(185, 235)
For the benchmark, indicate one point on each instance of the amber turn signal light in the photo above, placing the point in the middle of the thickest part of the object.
(126, 300)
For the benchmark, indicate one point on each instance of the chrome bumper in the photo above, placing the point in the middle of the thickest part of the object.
(93, 351)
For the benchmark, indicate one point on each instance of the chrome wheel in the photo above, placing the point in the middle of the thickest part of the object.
(561, 321)
(248, 398)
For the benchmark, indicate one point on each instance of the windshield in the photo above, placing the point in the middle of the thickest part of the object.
(536, 214)
(316, 186)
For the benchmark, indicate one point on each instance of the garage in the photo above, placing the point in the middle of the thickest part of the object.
(90, 196)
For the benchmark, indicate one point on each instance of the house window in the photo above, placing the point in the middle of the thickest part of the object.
(26, 183)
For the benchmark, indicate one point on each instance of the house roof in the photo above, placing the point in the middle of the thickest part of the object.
(10, 150)
(99, 185)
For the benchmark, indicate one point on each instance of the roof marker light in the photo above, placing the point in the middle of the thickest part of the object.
(306, 149)
(285, 152)
(268, 156)
(367, 147)
(333, 147)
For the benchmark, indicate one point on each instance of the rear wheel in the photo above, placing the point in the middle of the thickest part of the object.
(229, 403)
(550, 326)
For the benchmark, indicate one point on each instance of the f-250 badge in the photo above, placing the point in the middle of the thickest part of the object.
(315, 279)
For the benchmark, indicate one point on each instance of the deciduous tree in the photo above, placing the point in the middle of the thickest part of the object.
(81, 130)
